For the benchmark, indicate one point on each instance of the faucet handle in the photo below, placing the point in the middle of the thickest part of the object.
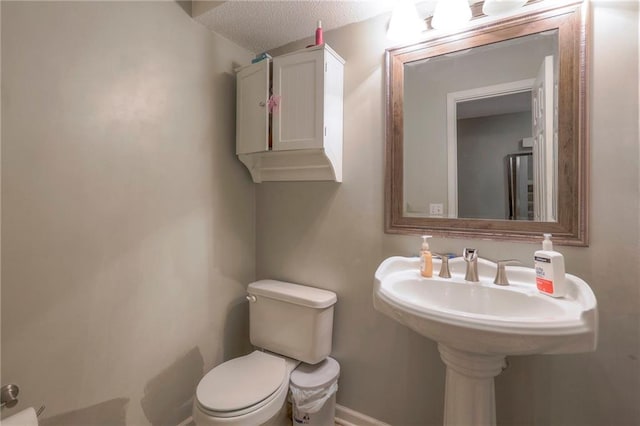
(444, 266)
(501, 273)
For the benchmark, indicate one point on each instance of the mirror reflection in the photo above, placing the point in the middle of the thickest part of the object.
(487, 129)
(481, 132)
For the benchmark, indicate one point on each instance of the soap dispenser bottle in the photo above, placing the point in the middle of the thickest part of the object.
(550, 273)
(426, 259)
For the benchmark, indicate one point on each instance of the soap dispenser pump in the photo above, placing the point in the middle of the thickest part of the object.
(426, 259)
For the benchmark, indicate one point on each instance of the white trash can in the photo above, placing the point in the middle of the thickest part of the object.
(313, 393)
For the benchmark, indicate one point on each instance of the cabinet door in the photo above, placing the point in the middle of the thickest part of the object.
(252, 115)
(298, 85)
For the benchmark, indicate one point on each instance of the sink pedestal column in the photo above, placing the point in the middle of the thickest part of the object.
(469, 397)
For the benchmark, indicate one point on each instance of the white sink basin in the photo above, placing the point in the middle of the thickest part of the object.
(477, 324)
(484, 317)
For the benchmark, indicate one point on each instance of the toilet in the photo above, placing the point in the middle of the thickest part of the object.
(289, 323)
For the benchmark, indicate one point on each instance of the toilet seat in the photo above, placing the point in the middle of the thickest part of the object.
(242, 386)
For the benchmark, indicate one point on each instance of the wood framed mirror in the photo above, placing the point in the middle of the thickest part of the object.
(456, 163)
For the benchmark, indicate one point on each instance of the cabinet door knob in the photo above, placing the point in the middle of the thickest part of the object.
(262, 103)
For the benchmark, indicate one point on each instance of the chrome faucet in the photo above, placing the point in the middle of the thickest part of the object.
(470, 255)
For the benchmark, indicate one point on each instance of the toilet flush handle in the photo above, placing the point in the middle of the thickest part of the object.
(251, 298)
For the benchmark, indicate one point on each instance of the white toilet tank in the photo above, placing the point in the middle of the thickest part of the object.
(291, 319)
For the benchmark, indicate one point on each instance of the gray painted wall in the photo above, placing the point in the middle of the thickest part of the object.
(128, 223)
(331, 235)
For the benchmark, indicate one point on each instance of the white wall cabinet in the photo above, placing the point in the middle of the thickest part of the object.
(252, 114)
(306, 122)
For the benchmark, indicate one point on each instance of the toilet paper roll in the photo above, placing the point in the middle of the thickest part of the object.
(25, 417)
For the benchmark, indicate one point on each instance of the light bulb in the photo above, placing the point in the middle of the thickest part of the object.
(451, 14)
(405, 23)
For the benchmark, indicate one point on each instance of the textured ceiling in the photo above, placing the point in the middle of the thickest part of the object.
(260, 26)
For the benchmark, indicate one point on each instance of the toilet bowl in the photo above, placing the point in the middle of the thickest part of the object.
(249, 390)
(291, 323)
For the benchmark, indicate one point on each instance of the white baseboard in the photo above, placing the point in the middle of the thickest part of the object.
(348, 417)
(344, 417)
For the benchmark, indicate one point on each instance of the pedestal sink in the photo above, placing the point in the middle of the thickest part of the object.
(478, 324)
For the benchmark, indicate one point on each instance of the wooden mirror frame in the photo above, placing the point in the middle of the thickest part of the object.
(570, 19)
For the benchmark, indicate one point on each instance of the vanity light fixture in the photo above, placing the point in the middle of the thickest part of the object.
(405, 24)
(451, 14)
(498, 7)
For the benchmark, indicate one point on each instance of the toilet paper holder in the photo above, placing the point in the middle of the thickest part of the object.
(9, 397)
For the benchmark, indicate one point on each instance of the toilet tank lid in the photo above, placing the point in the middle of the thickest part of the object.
(293, 293)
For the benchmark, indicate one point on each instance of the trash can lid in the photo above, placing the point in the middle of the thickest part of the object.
(308, 376)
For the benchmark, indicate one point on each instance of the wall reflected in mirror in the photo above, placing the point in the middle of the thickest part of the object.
(480, 132)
